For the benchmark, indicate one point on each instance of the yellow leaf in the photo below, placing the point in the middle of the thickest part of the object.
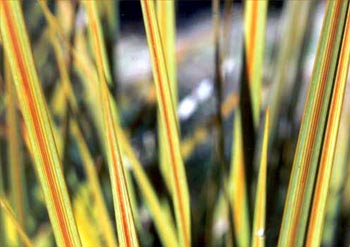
(37, 121)
(179, 185)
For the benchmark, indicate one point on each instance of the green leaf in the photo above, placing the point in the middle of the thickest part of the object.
(316, 111)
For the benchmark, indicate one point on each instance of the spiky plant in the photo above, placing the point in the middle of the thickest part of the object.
(92, 158)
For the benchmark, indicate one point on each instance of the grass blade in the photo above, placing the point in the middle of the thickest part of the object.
(85, 217)
(7, 208)
(167, 28)
(237, 186)
(88, 162)
(94, 185)
(328, 150)
(310, 138)
(254, 27)
(64, 74)
(167, 111)
(339, 175)
(218, 85)
(37, 121)
(2, 190)
(258, 234)
(345, 200)
(15, 151)
(111, 20)
(123, 212)
(164, 225)
(97, 37)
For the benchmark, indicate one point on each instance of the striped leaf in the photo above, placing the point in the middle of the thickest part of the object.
(123, 212)
(313, 126)
(164, 225)
(88, 162)
(317, 215)
(179, 186)
(37, 121)
(166, 21)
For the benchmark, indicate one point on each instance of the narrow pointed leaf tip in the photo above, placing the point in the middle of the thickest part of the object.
(255, 13)
(260, 199)
(238, 186)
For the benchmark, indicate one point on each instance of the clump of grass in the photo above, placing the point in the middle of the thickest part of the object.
(77, 169)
